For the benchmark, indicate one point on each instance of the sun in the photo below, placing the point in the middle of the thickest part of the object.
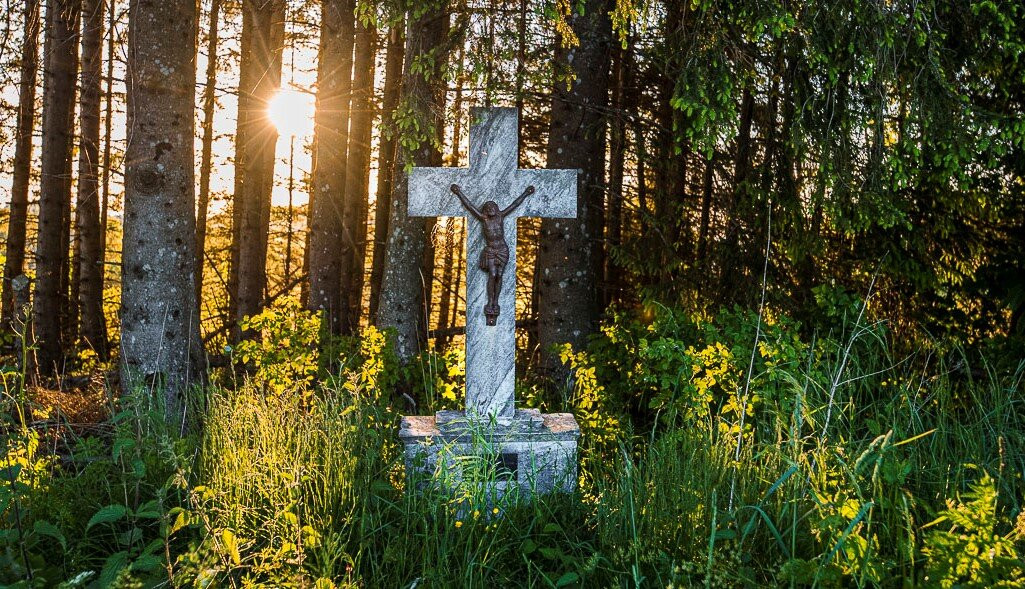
(291, 112)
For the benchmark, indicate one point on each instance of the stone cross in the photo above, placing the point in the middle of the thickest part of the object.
(492, 175)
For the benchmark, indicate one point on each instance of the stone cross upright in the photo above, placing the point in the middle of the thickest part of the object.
(492, 176)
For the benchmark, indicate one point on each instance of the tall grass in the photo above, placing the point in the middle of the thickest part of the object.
(848, 507)
(916, 481)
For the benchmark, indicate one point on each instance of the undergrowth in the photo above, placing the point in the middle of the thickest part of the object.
(735, 450)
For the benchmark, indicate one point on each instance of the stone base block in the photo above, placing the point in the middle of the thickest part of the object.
(535, 452)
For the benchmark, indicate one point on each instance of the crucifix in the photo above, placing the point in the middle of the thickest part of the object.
(493, 193)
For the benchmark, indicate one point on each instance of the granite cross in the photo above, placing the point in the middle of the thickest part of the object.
(492, 176)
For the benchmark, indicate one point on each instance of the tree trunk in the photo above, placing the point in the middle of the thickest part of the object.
(290, 213)
(521, 63)
(108, 109)
(617, 136)
(460, 271)
(159, 318)
(707, 184)
(447, 286)
(429, 261)
(640, 141)
(14, 264)
(90, 238)
(570, 255)
(357, 179)
(327, 208)
(449, 277)
(386, 161)
(260, 78)
(206, 155)
(401, 304)
(50, 306)
(729, 254)
(671, 207)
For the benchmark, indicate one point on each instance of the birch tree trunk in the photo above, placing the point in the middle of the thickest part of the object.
(14, 264)
(50, 305)
(160, 345)
(570, 254)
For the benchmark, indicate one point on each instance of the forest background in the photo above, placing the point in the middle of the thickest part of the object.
(799, 244)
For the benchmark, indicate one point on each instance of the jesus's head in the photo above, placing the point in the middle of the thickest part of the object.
(490, 209)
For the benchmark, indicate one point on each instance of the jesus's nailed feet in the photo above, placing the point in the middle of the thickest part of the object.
(491, 313)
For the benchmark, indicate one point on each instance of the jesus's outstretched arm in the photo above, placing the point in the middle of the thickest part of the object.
(519, 200)
(466, 202)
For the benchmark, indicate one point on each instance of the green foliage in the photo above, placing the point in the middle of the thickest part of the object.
(684, 370)
(443, 378)
(884, 144)
(293, 490)
(100, 519)
(596, 411)
(24, 543)
(826, 507)
(283, 354)
(973, 552)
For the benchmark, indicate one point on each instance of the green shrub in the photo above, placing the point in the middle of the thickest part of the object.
(974, 552)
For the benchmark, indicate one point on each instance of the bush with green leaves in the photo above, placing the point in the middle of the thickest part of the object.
(978, 548)
(283, 350)
(94, 514)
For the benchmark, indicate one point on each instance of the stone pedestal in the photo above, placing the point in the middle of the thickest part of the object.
(534, 452)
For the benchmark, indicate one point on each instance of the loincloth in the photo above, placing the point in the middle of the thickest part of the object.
(499, 254)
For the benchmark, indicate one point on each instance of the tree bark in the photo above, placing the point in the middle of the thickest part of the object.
(108, 108)
(570, 255)
(617, 142)
(90, 238)
(260, 79)
(50, 305)
(640, 142)
(159, 318)
(671, 206)
(707, 184)
(729, 254)
(357, 179)
(450, 280)
(327, 207)
(447, 286)
(206, 155)
(386, 161)
(14, 264)
(459, 272)
(402, 306)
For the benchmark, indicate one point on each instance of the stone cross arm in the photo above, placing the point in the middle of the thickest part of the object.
(555, 196)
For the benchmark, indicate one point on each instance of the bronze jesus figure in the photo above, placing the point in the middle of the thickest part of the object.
(495, 254)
